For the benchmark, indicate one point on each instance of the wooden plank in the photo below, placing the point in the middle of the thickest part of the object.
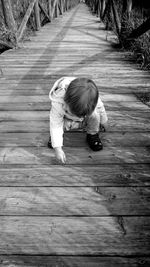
(124, 99)
(113, 181)
(33, 79)
(106, 68)
(24, 70)
(43, 53)
(39, 122)
(76, 139)
(75, 156)
(75, 235)
(71, 261)
(51, 78)
(28, 88)
(26, 66)
(116, 97)
(14, 58)
(24, 61)
(111, 175)
(42, 126)
(106, 80)
(41, 103)
(74, 201)
(133, 116)
(80, 61)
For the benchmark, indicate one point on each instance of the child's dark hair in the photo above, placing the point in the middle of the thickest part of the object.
(81, 96)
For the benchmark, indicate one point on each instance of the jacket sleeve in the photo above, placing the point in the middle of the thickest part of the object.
(102, 111)
(55, 85)
(56, 124)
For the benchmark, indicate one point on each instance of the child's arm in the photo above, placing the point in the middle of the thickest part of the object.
(103, 116)
(56, 130)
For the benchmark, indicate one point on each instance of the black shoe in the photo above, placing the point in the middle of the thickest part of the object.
(49, 144)
(94, 142)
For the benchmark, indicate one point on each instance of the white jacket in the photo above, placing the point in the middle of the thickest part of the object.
(59, 111)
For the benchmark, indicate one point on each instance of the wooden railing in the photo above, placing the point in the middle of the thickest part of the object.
(103, 7)
(55, 8)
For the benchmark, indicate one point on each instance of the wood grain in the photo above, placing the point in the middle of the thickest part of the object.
(75, 139)
(59, 261)
(75, 156)
(75, 235)
(40, 124)
(94, 211)
(74, 201)
(84, 175)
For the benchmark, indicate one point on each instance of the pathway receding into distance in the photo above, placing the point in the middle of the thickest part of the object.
(95, 210)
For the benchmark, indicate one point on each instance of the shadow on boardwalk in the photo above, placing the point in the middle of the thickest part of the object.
(94, 210)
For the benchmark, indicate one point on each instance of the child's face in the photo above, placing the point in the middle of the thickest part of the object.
(68, 111)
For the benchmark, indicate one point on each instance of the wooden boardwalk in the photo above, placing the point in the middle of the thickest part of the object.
(94, 211)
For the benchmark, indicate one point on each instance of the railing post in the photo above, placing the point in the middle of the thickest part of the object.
(61, 7)
(116, 17)
(66, 3)
(37, 15)
(99, 8)
(129, 7)
(25, 20)
(103, 5)
(123, 16)
(50, 9)
(8, 15)
(56, 10)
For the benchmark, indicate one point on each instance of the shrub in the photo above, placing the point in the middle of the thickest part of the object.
(140, 47)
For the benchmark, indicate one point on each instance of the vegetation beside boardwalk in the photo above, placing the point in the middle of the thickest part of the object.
(139, 47)
(124, 17)
(20, 18)
(130, 20)
(7, 35)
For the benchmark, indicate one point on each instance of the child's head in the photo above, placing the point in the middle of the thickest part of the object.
(81, 96)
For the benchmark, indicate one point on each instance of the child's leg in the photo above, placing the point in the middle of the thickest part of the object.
(71, 125)
(93, 126)
(93, 123)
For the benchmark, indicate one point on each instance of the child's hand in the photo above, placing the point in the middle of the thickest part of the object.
(60, 155)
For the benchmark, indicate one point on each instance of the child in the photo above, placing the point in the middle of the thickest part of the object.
(75, 103)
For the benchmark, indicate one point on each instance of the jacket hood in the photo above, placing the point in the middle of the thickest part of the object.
(59, 88)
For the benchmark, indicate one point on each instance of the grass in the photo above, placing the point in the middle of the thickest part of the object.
(138, 48)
